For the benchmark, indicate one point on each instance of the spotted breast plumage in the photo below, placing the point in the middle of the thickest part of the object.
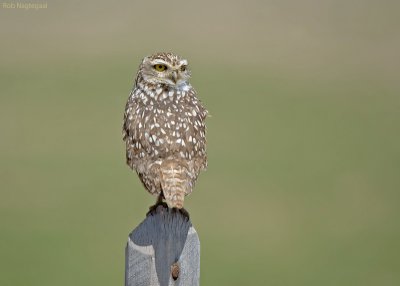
(164, 129)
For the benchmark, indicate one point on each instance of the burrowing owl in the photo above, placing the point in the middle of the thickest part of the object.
(164, 129)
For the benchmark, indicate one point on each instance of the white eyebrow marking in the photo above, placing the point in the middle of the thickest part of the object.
(159, 61)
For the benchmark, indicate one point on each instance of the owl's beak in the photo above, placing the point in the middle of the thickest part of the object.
(175, 76)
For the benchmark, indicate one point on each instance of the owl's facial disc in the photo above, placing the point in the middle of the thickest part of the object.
(160, 71)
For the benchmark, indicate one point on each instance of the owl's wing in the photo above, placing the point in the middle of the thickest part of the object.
(130, 123)
(196, 136)
(127, 124)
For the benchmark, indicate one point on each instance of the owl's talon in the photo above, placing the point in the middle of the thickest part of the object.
(153, 208)
(183, 212)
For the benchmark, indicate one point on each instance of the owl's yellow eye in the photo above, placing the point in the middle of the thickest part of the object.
(160, 67)
(183, 68)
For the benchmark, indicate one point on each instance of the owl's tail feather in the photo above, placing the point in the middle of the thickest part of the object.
(175, 183)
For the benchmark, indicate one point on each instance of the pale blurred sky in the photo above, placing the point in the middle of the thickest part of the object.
(308, 38)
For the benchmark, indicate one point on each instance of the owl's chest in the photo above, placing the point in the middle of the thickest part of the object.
(166, 119)
(164, 106)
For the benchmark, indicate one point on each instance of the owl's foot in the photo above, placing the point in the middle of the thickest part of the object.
(159, 206)
(153, 208)
(183, 212)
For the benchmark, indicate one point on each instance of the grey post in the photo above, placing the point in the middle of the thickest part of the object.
(163, 250)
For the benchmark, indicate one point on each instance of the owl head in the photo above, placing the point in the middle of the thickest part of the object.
(164, 68)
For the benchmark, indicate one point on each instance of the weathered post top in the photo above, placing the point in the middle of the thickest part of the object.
(163, 250)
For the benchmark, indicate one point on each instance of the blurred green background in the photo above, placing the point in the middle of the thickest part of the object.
(304, 159)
